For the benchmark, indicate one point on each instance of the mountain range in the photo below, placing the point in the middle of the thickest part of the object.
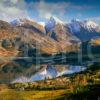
(54, 37)
(23, 39)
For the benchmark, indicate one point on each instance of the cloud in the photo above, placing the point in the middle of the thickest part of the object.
(45, 9)
(96, 19)
(14, 1)
(59, 9)
(12, 9)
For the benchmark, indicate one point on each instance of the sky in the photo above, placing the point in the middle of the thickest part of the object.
(41, 10)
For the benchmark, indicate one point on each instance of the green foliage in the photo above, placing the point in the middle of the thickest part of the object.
(80, 89)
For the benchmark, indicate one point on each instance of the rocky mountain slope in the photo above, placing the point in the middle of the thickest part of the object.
(32, 35)
(84, 30)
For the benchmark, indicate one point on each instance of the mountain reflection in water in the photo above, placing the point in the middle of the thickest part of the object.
(50, 72)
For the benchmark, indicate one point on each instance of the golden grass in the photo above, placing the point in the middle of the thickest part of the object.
(11, 94)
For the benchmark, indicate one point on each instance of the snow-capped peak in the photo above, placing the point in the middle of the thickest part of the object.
(57, 20)
(42, 23)
(20, 21)
(76, 25)
(90, 24)
(16, 22)
(50, 24)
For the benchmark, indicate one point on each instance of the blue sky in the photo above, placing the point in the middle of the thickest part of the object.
(40, 10)
(65, 9)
